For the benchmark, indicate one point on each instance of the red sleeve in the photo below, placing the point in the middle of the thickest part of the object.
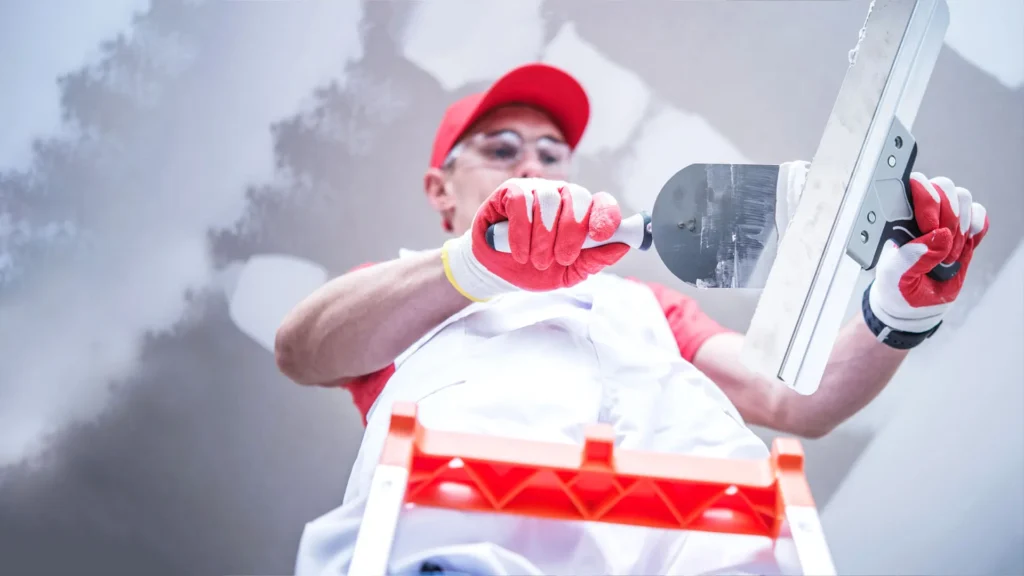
(361, 266)
(365, 389)
(690, 326)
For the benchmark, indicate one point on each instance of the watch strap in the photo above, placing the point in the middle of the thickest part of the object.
(889, 336)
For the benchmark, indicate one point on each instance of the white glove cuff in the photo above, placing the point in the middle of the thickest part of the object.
(467, 274)
(877, 297)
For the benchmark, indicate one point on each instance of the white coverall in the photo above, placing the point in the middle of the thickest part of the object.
(541, 366)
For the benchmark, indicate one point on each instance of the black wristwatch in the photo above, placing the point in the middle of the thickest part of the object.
(897, 339)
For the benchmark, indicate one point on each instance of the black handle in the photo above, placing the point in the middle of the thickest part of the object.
(903, 231)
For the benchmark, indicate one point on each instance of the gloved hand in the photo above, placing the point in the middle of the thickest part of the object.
(548, 220)
(902, 295)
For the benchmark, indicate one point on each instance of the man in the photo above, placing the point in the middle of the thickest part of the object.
(540, 342)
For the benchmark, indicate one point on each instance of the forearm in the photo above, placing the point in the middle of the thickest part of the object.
(857, 371)
(360, 322)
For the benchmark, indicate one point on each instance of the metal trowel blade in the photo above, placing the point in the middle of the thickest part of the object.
(714, 225)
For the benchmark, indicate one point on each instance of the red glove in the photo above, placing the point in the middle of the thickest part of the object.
(902, 295)
(548, 220)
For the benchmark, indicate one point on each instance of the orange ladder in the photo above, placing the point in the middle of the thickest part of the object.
(480, 473)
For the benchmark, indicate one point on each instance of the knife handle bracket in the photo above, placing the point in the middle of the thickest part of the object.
(887, 213)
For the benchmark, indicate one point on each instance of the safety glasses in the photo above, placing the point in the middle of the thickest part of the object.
(505, 150)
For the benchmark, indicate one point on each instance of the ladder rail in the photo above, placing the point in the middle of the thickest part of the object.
(599, 483)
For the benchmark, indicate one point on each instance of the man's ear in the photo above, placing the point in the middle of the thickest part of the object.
(437, 192)
(439, 195)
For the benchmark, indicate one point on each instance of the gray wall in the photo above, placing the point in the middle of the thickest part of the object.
(938, 491)
(142, 432)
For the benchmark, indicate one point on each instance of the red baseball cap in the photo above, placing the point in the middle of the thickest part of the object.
(548, 88)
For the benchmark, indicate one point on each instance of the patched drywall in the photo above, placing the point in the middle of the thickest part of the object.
(460, 42)
(938, 490)
(158, 173)
(990, 35)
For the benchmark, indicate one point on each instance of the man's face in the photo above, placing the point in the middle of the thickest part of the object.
(509, 142)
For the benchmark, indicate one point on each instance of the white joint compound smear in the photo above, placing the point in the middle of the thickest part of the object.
(618, 96)
(30, 102)
(459, 41)
(668, 141)
(262, 290)
(852, 56)
(74, 328)
(990, 35)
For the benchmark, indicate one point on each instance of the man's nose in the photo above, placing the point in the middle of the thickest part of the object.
(530, 167)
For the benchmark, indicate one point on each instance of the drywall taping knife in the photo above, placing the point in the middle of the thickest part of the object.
(817, 269)
(718, 225)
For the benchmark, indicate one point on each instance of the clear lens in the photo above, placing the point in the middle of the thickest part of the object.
(505, 150)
